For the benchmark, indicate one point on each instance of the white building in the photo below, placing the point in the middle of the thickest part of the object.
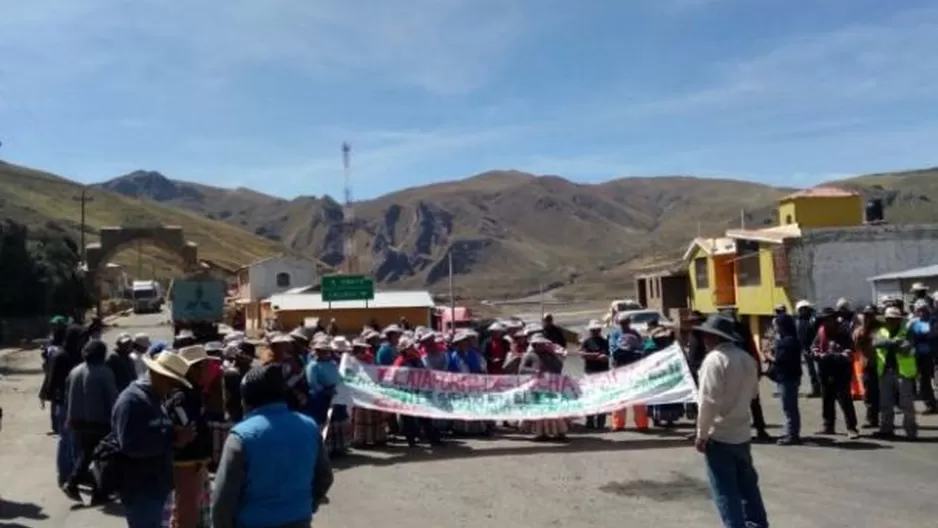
(269, 276)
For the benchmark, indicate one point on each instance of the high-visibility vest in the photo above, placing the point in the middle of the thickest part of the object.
(908, 368)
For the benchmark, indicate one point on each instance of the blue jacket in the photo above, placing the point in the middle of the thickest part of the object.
(920, 336)
(278, 486)
(472, 361)
(145, 436)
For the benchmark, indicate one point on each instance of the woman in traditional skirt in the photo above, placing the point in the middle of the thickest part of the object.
(369, 427)
(435, 357)
(341, 432)
(322, 376)
(465, 360)
(542, 358)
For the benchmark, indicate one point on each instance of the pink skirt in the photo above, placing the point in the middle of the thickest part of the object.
(369, 427)
(551, 427)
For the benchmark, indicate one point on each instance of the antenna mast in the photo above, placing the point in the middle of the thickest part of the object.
(351, 256)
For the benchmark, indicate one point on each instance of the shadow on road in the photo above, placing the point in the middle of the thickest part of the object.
(11, 511)
(848, 445)
(6, 370)
(457, 450)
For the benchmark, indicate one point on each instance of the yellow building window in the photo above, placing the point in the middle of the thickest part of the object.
(749, 270)
(701, 273)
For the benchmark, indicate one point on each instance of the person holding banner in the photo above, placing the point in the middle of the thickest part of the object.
(541, 358)
(369, 427)
(412, 426)
(464, 359)
(625, 348)
(595, 352)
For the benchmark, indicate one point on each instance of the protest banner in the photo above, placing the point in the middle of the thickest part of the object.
(661, 378)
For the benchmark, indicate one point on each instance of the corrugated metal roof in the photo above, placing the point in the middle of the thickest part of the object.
(820, 192)
(711, 246)
(383, 299)
(914, 273)
(775, 235)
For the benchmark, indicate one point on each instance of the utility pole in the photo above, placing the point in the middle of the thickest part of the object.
(139, 262)
(84, 199)
(452, 295)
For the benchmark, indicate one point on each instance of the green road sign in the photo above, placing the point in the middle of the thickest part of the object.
(347, 288)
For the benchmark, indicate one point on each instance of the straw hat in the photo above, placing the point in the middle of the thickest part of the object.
(193, 354)
(234, 336)
(539, 339)
(392, 329)
(300, 333)
(594, 324)
(497, 326)
(919, 286)
(280, 338)
(322, 343)
(405, 343)
(622, 317)
(359, 343)
(341, 344)
(893, 313)
(803, 303)
(124, 338)
(169, 365)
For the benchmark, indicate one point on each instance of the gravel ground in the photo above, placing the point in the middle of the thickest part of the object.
(611, 479)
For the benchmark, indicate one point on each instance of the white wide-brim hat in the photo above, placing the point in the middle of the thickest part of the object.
(169, 365)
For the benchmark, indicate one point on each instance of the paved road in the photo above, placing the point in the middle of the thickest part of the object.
(611, 479)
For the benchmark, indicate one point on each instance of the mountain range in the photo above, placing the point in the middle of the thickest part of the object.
(510, 233)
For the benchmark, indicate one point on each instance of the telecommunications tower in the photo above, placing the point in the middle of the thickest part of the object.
(348, 220)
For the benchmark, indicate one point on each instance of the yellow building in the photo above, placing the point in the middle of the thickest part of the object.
(748, 269)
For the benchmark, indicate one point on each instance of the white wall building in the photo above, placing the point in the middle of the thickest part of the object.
(263, 278)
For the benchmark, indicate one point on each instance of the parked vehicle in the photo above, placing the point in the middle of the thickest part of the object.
(147, 296)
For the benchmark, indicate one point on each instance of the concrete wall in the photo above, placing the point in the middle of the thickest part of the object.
(832, 263)
(262, 280)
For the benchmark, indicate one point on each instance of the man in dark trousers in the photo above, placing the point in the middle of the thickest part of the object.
(748, 343)
(806, 327)
(90, 396)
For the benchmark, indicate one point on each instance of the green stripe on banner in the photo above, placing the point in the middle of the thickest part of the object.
(661, 378)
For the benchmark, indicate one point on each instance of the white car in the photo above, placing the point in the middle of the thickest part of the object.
(620, 305)
(641, 318)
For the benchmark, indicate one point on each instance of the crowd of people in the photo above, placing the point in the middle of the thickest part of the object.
(147, 422)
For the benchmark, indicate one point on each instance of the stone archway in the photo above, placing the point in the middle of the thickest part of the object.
(114, 239)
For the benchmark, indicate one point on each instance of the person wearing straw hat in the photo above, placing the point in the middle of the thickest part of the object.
(281, 350)
(897, 369)
(413, 426)
(595, 352)
(369, 427)
(729, 381)
(322, 378)
(240, 358)
(387, 352)
(274, 470)
(625, 348)
(145, 436)
(541, 358)
(186, 406)
(120, 362)
(341, 433)
(495, 348)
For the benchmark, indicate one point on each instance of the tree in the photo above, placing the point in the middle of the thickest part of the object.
(40, 272)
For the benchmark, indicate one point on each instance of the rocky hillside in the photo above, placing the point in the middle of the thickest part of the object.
(510, 231)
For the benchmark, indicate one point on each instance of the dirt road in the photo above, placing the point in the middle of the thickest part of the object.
(611, 479)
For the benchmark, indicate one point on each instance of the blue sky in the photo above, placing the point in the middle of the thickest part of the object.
(262, 93)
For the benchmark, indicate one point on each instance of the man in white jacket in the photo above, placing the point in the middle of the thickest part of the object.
(729, 381)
